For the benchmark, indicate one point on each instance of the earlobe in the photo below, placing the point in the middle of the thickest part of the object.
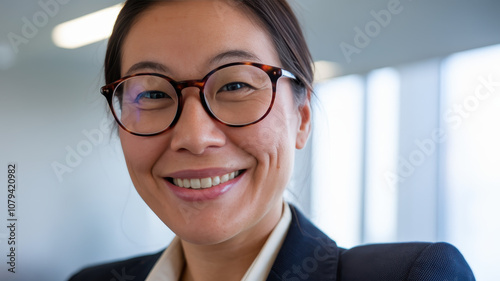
(304, 128)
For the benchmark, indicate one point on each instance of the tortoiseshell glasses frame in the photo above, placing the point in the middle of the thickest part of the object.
(110, 93)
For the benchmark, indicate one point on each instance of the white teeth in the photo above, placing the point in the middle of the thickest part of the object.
(205, 182)
(224, 178)
(216, 180)
(195, 183)
(179, 182)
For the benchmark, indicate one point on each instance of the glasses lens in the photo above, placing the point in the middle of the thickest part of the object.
(145, 104)
(240, 94)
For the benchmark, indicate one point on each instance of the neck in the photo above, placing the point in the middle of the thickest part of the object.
(230, 259)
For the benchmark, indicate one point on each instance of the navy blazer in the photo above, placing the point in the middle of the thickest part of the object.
(308, 254)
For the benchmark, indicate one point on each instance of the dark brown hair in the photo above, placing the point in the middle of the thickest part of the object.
(276, 16)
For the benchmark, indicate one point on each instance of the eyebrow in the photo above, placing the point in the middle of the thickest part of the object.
(147, 65)
(234, 54)
(227, 55)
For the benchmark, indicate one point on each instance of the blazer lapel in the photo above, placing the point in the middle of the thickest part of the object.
(306, 254)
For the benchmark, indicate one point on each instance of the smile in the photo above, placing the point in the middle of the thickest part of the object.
(205, 182)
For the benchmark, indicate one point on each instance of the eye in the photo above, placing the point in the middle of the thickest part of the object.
(234, 86)
(153, 95)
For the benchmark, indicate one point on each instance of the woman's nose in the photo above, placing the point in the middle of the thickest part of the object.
(195, 131)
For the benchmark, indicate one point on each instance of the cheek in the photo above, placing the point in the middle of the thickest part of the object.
(140, 155)
(272, 141)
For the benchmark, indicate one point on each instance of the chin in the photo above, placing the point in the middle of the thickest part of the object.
(202, 223)
(206, 234)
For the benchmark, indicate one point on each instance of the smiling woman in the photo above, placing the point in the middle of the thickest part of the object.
(196, 88)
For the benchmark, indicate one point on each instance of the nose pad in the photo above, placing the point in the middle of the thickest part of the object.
(196, 130)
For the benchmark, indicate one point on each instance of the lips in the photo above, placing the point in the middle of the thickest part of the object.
(202, 185)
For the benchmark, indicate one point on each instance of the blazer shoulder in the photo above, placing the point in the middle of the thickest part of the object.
(441, 261)
(130, 269)
(404, 261)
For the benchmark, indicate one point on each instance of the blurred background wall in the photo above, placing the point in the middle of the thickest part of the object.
(405, 141)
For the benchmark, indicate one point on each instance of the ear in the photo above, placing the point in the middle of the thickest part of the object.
(304, 128)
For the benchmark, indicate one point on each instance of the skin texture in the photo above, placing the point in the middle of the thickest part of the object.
(220, 236)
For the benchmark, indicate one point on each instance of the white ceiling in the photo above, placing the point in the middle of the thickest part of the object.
(423, 29)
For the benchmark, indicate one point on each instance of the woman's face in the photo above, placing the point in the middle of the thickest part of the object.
(188, 39)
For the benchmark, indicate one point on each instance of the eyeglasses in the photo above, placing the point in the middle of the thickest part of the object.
(236, 94)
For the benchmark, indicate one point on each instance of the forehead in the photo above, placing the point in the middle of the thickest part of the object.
(189, 36)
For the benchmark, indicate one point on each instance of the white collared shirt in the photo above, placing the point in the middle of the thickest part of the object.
(171, 263)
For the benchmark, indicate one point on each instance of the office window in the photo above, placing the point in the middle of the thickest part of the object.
(412, 153)
(381, 142)
(337, 159)
(355, 144)
(471, 158)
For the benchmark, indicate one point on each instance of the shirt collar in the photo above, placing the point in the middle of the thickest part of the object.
(170, 264)
(259, 270)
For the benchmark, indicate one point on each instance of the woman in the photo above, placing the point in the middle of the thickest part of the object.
(212, 98)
